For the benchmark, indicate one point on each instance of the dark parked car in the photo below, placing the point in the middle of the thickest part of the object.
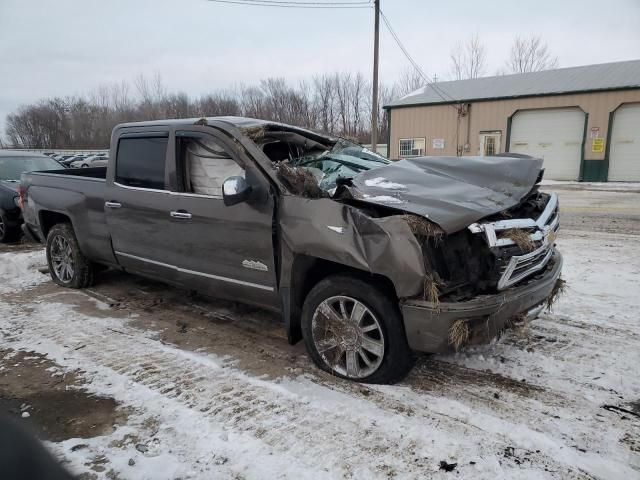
(12, 165)
(365, 259)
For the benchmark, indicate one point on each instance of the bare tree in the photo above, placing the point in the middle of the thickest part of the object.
(469, 59)
(530, 55)
(410, 80)
(336, 103)
(325, 101)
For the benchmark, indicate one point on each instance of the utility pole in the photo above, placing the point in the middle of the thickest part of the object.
(374, 103)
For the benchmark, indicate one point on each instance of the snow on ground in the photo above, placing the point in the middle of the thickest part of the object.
(530, 405)
(609, 186)
(20, 271)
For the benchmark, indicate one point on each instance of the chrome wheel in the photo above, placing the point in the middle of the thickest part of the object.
(348, 337)
(62, 259)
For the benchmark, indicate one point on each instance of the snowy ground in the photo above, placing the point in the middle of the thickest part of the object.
(211, 390)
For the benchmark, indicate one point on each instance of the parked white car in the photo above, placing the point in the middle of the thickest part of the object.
(91, 161)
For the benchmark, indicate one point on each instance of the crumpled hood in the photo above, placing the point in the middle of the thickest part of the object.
(9, 185)
(453, 192)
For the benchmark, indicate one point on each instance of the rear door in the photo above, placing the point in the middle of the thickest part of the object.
(225, 251)
(138, 204)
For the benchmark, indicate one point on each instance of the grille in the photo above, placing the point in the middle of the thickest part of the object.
(516, 268)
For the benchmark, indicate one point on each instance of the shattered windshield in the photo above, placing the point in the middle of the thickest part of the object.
(345, 160)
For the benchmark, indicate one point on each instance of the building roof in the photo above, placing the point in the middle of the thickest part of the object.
(588, 78)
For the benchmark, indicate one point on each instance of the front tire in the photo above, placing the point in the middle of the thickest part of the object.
(354, 330)
(67, 265)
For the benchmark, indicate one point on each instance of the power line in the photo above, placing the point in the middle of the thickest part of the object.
(296, 4)
(440, 92)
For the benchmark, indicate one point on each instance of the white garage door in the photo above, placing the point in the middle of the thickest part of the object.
(552, 134)
(624, 154)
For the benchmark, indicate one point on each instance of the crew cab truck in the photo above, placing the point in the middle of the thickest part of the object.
(365, 259)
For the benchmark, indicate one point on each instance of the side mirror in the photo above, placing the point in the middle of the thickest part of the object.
(235, 190)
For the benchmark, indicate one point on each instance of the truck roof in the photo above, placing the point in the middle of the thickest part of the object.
(238, 122)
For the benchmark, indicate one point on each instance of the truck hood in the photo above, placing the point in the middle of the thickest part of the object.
(6, 184)
(453, 192)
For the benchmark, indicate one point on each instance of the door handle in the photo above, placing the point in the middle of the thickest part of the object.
(112, 204)
(180, 214)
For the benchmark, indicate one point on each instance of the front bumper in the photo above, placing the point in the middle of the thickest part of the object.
(427, 325)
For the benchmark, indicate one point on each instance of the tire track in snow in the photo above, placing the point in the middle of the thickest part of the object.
(363, 441)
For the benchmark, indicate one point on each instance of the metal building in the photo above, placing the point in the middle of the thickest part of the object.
(584, 121)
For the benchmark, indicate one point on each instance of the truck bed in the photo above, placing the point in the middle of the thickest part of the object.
(78, 194)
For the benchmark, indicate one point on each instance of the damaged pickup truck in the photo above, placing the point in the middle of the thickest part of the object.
(365, 259)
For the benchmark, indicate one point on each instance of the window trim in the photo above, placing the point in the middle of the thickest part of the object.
(424, 149)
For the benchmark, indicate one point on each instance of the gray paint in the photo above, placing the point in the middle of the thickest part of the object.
(450, 191)
(383, 246)
(207, 251)
(606, 76)
(427, 325)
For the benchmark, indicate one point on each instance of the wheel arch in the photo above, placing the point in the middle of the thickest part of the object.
(306, 272)
(49, 218)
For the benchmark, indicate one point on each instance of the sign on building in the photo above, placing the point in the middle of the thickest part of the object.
(597, 145)
(438, 143)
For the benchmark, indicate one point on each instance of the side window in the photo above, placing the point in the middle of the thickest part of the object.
(140, 162)
(412, 147)
(205, 165)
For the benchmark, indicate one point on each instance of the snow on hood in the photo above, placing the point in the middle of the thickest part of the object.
(450, 191)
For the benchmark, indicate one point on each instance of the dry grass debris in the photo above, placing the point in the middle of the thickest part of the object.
(520, 324)
(421, 227)
(558, 290)
(431, 292)
(521, 238)
(201, 121)
(299, 180)
(459, 334)
(254, 133)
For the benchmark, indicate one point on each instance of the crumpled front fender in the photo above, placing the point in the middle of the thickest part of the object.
(324, 228)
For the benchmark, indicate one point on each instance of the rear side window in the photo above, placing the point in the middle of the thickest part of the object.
(140, 162)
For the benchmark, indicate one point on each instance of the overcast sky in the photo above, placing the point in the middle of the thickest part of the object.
(66, 47)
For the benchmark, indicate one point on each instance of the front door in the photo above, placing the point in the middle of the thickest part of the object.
(489, 143)
(225, 251)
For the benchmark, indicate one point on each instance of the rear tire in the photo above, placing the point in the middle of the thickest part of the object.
(8, 234)
(67, 264)
(354, 330)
